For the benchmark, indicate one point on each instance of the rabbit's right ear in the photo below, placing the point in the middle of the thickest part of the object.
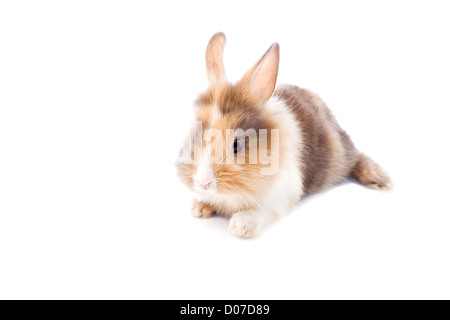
(214, 59)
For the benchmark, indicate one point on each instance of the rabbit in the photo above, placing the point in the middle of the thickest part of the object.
(310, 152)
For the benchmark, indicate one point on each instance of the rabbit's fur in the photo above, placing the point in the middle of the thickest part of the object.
(312, 151)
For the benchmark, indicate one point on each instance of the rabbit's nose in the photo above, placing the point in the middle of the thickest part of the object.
(206, 186)
(204, 176)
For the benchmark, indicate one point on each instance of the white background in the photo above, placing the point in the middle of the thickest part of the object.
(95, 97)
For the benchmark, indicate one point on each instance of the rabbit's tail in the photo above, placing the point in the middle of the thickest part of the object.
(370, 174)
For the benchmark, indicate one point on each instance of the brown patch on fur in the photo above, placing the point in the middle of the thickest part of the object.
(185, 172)
(328, 154)
(203, 114)
(205, 98)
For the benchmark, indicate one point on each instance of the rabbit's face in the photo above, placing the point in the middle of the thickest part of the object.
(229, 147)
(229, 156)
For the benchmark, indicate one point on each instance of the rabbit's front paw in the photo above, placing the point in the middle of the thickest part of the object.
(244, 224)
(201, 210)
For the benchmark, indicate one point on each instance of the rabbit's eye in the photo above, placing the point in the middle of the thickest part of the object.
(237, 146)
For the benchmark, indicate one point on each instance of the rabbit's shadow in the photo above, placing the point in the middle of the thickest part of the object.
(220, 222)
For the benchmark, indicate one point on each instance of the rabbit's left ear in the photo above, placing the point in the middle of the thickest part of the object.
(262, 77)
(214, 59)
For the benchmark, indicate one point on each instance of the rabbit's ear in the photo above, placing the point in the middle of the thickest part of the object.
(262, 77)
(214, 59)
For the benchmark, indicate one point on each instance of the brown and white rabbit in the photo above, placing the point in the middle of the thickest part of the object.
(307, 148)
